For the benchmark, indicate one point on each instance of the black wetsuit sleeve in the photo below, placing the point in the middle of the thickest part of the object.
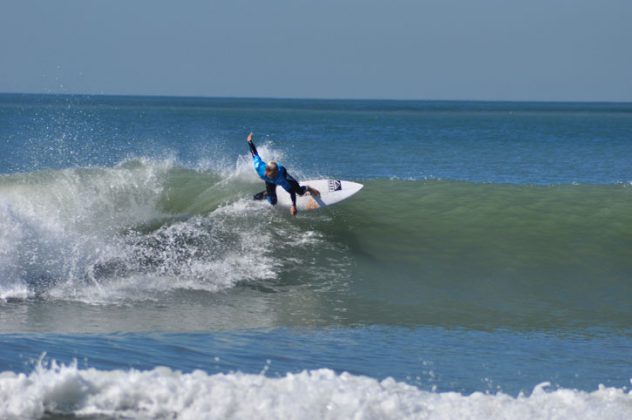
(253, 148)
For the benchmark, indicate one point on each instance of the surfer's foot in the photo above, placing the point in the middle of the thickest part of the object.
(261, 196)
(313, 191)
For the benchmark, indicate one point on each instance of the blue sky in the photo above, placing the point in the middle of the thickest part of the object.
(398, 49)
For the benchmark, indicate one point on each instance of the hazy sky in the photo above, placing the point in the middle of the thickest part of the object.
(401, 49)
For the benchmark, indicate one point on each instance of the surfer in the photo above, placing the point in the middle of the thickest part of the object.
(275, 174)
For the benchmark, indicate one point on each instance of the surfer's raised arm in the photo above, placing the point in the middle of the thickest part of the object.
(260, 165)
(253, 149)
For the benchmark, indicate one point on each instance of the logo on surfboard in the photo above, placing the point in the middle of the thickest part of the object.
(334, 185)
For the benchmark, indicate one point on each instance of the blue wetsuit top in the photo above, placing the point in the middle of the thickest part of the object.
(282, 178)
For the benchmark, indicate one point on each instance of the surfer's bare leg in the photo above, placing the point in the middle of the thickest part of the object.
(313, 191)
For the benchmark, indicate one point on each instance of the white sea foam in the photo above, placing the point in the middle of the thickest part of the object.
(78, 234)
(317, 394)
(56, 225)
(59, 230)
(14, 290)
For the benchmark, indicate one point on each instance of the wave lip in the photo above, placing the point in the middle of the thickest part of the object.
(165, 393)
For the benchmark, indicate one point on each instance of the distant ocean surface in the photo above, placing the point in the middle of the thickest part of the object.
(485, 270)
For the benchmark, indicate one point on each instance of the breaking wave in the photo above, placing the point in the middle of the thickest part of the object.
(164, 393)
(103, 235)
(145, 228)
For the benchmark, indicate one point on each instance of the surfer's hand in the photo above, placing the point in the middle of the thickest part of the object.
(293, 210)
(249, 139)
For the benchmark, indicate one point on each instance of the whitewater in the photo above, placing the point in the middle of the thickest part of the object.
(318, 394)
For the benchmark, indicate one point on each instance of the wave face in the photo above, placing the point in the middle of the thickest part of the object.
(164, 393)
(506, 249)
(460, 250)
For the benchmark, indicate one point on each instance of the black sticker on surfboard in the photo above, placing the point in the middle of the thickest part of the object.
(335, 185)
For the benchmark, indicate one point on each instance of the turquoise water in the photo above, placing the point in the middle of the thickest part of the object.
(489, 252)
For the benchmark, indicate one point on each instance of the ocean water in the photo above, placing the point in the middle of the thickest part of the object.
(485, 270)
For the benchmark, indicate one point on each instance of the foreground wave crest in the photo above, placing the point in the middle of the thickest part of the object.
(165, 393)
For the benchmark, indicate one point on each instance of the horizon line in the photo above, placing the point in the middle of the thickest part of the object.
(289, 98)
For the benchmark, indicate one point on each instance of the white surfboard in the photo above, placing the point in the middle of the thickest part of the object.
(331, 191)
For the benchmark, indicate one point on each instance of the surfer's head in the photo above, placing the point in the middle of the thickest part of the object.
(272, 170)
